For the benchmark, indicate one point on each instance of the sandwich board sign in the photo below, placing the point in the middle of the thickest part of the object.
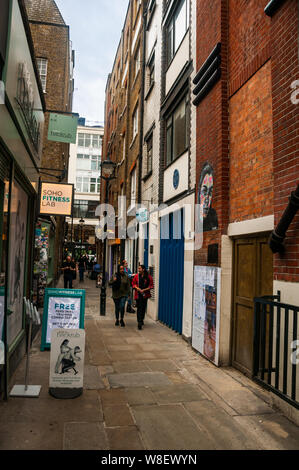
(63, 309)
(67, 363)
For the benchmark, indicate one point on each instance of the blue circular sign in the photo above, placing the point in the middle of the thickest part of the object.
(176, 179)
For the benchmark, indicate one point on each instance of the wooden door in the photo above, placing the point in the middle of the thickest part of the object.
(253, 277)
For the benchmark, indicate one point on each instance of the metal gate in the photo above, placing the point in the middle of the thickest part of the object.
(171, 278)
(276, 347)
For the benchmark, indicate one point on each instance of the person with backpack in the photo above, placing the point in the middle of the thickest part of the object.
(142, 284)
(120, 291)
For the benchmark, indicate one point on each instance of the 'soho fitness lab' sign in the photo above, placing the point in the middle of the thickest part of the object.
(56, 199)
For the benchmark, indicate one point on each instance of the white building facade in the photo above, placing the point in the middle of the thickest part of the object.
(85, 173)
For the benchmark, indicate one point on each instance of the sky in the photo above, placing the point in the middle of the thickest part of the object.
(95, 31)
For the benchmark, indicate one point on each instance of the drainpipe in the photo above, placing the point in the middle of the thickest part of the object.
(144, 16)
(139, 198)
(278, 235)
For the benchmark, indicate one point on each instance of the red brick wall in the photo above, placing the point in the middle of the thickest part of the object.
(285, 70)
(249, 36)
(251, 148)
(212, 118)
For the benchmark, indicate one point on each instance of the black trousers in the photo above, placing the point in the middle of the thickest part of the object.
(141, 309)
(68, 280)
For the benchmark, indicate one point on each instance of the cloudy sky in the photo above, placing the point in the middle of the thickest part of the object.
(95, 29)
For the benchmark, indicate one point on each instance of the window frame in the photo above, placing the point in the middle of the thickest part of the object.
(170, 30)
(170, 127)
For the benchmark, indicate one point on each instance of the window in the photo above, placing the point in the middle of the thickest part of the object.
(176, 29)
(133, 187)
(137, 62)
(177, 131)
(89, 140)
(88, 162)
(149, 152)
(85, 209)
(86, 184)
(151, 71)
(135, 122)
(42, 65)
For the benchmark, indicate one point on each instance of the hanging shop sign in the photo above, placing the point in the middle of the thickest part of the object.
(67, 363)
(63, 309)
(63, 128)
(56, 199)
(206, 312)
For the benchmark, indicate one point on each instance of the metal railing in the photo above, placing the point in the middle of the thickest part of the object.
(276, 347)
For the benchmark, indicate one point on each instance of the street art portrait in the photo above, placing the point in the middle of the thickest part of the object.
(207, 216)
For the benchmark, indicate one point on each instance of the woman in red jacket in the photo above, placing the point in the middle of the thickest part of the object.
(142, 284)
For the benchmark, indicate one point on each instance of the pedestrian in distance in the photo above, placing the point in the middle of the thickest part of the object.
(82, 267)
(120, 291)
(68, 268)
(142, 284)
(130, 276)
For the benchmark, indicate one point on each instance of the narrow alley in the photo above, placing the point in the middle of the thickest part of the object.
(143, 390)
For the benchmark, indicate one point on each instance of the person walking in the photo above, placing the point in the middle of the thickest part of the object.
(142, 284)
(130, 276)
(120, 291)
(82, 267)
(68, 268)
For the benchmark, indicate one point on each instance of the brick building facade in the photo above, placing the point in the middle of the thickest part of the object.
(247, 123)
(55, 60)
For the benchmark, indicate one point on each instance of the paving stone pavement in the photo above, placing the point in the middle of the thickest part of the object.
(142, 390)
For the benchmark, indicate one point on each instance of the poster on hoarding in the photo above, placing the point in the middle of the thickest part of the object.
(206, 312)
(63, 309)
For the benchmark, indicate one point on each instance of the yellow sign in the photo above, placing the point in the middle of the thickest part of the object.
(56, 199)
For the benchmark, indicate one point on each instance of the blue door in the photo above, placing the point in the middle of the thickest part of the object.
(171, 278)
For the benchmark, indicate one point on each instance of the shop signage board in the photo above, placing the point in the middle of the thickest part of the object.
(56, 199)
(63, 128)
(206, 312)
(63, 309)
(67, 363)
(21, 86)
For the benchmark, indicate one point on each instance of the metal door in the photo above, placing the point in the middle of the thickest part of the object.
(171, 284)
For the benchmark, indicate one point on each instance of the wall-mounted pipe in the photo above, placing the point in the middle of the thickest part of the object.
(278, 235)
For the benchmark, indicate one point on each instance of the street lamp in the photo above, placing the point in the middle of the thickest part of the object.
(107, 174)
(81, 223)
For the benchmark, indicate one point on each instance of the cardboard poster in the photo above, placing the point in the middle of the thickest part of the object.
(206, 312)
(67, 358)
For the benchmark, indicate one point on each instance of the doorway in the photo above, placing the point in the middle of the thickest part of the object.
(253, 277)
